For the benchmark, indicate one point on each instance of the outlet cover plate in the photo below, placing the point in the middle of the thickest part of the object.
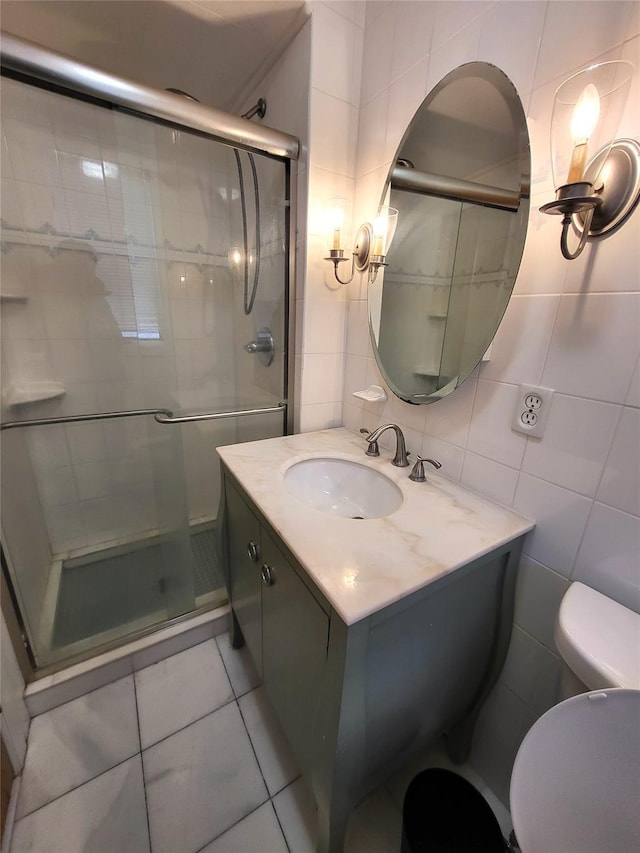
(532, 410)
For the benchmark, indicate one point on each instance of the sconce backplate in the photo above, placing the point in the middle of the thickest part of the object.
(620, 179)
(363, 246)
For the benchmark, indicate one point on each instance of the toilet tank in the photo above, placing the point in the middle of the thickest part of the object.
(598, 639)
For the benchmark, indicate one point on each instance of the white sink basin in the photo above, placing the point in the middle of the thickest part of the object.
(343, 488)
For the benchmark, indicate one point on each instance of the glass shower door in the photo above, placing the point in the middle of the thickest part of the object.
(141, 265)
(77, 584)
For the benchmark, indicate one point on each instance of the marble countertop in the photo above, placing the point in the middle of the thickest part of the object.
(364, 565)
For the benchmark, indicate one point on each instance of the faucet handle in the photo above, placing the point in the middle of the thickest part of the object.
(417, 473)
(373, 449)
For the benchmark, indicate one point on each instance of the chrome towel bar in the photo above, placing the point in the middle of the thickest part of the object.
(162, 416)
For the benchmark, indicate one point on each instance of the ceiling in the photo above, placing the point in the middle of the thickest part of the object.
(216, 50)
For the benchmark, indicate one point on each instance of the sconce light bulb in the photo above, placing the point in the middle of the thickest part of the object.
(585, 114)
(234, 256)
(379, 235)
(583, 122)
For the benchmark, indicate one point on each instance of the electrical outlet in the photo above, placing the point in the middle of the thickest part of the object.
(532, 410)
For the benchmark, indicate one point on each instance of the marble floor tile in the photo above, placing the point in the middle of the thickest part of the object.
(375, 826)
(201, 781)
(298, 816)
(106, 814)
(75, 742)
(180, 689)
(240, 669)
(274, 754)
(258, 833)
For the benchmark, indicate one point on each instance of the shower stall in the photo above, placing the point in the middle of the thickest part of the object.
(146, 287)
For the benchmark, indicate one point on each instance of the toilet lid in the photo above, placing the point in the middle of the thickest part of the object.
(576, 779)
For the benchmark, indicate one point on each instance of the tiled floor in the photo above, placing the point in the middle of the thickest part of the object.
(183, 756)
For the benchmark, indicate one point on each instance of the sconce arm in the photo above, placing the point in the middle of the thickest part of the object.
(564, 245)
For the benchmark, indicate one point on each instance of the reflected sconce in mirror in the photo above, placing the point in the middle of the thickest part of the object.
(597, 177)
(371, 243)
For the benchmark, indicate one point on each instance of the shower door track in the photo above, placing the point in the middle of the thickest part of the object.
(162, 416)
(23, 57)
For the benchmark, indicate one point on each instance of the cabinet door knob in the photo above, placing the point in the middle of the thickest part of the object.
(267, 575)
(253, 552)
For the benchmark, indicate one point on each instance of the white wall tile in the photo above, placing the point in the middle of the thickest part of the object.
(608, 264)
(325, 326)
(451, 18)
(520, 346)
(334, 128)
(448, 419)
(450, 456)
(603, 24)
(594, 346)
(378, 54)
(461, 48)
(560, 517)
(575, 444)
(490, 432)
(517, 54)
(633, 394)
(405, 96)
(335, 54)
(489, 478)
(539, 591)
(323, 379)
(372, 137)
(608, 556)
(543, 240)
(620, 486)
(412, 36)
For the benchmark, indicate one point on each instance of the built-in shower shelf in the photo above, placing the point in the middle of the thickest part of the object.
(24, 393)
(13, 297)
(437, 315)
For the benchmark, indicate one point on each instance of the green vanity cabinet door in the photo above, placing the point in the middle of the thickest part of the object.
(295, 632)
(245, 584)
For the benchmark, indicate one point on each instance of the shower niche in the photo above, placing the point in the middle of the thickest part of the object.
(140, 260)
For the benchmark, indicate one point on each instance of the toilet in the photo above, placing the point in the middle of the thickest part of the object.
(576, 778)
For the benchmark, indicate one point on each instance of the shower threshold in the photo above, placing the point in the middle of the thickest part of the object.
(102, 596)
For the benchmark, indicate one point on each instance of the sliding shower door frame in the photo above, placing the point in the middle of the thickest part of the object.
(37, 66)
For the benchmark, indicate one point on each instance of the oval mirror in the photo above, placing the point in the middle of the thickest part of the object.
(460, 181)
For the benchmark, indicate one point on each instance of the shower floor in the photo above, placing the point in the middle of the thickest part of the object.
(103, 594)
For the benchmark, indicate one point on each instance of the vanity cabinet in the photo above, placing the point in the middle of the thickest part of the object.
(357, 701)
(284, 626)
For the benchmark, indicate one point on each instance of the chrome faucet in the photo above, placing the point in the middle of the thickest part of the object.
(400, 459)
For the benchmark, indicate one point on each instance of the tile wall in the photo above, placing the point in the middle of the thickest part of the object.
(571, 326)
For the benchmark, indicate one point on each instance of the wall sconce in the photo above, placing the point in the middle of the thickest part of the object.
(596, 194)
(372, 242)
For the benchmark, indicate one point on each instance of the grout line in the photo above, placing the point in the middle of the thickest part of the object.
(255, 754)
(275, 811)
(229, 828)
(76, 787)
(144, 783)
(186, 726)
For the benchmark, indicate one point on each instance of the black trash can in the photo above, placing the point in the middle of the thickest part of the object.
(443, 813)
